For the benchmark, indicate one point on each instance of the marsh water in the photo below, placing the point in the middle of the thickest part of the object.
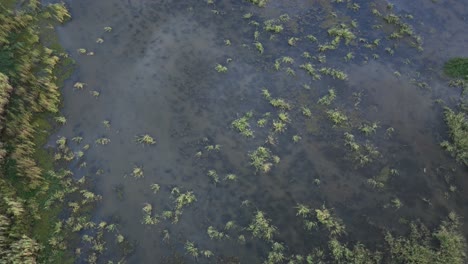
(155, 74)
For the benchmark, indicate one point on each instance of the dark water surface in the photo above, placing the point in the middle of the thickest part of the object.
(156, 75)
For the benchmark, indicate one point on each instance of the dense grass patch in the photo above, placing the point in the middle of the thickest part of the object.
(457, 68)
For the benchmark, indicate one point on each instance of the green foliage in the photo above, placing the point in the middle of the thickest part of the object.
(337, 117)
(242, 124)
(272, 26)
(359, 254)
(327, 99)
(457, 68)
(361, 154)
(29, 80)
(220, 68)
(445, 245)
(458, 131)
(261, 227)
(280, 103)
(341, 32)
(145, 139)
(215, 234)
(260, 3)
(259, 47)
(191, 249)
(368, 129)
(262, 159)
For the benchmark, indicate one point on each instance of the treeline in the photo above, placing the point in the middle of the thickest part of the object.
(28, 88)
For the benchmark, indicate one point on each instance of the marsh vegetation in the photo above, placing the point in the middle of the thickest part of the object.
(227, 131)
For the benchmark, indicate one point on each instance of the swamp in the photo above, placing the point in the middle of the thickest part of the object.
(234, 131)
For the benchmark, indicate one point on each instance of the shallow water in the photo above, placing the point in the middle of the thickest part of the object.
(155, 74)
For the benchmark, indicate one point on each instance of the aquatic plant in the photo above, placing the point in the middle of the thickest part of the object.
(349, 56)
(137, 172)
(368, 129)
(106, 123)
(95, 93)
(215, 234)
(290, 71)
(272, 26)
(277, 65)
(191, 249)
(306, 111)
(361, 154)
(213, 175)
(303, 210)
(79, 85)
(155, 187)
(247, 16)
(77, 139)
(457, 124)
(261, 159)
(311, 38)
(145, 139)
(332, 223)
(216, 147)
(107, 29)
(60, 119)
(276, 255)
(230, 177)
(242, 124)
(260, 3)
(183, 199)
(444, 245)
(81, 51)
(335, 74)
(342, 31)
(337, 117)
(279, 126)
(266, 94)
(296, 138)
(288, 60)
(102, 141)
(259, 47)
(327, 99)
(262, 122)
(220, 68)
(207, 253)
(292, 41)
(457, 68)
(261, 227)
(99, 40)
(309, 68)
(229, 225)
(280, 103)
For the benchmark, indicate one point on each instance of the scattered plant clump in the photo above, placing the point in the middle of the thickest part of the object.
(457, 68)
(458, 132)
(242, 124)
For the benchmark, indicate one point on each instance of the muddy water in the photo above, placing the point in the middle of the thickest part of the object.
(155, 75)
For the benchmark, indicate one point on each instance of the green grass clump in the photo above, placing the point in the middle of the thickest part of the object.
(458, 131)
(457, 67)
(220, 68)
(273, 26)
(261, 227)
(242, 124)
(327, 99)
(260, 3)
(444, 245)
(337, 117)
